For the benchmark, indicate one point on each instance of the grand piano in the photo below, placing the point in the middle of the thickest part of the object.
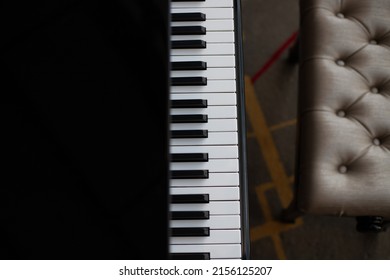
(124, 128)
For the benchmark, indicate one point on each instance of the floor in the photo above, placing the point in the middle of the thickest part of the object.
(269, 28)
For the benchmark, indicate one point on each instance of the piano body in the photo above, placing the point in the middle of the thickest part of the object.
(88, 148)
(85, 121)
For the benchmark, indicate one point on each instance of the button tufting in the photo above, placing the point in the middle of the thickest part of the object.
(340, 62)
(376, 142)
(374, 90)
(340, 15)
(341, 113)
(373, 42)
(343, 169)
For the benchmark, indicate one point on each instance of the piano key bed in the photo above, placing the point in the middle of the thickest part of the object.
(208, 188)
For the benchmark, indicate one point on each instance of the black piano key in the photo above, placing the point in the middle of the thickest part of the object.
(190, 256)
(190, 215)
(188, 0)
(190, 198)
(189, 103)
(189, 174)
(189, 133)
(189, 81)
(190, 157)
(188, 30)
(189, 231)
(188, 44)
(188, 17)
(189, 65)
(198, 118)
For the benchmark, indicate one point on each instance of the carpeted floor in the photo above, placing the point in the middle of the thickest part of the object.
(271, 115)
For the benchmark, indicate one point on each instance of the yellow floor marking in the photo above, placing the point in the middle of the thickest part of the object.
(269, 185)
(283, 124)
(265, 186)
(250, 135)
(263, 202)
(272, 227)
(260, 191)
(268, 147)
(280, 181)
(278, 247)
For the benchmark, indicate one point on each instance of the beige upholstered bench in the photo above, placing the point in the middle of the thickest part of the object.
(343, 142)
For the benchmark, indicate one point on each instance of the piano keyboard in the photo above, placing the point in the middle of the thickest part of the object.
(208, 208)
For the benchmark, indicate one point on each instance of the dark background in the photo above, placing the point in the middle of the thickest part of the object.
(85, 129)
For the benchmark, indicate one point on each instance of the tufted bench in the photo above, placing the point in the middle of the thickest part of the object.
(343, 133)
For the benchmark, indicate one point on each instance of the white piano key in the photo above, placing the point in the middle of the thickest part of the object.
(211, 125)
(213, 165)
(211, 13)
(217, 251)
(212, 86)
(210, 73)
(215, 180)
(214, 138)
(213, 112)
(215, 222)
(211, 25)
(220, 99)
(213, 152)
(215, 194)
(211, 49)
(203, 4)
(214, 207)
(217, 236)
(212, 61)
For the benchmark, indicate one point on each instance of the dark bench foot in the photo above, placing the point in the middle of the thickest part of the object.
(293, 52)
(370, 224)
(290, 214)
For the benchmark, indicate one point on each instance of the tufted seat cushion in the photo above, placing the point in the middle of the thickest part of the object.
(343, 165)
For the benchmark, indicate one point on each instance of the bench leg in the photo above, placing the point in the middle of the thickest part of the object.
(291, 213)
(370, 224)
(293, 52)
